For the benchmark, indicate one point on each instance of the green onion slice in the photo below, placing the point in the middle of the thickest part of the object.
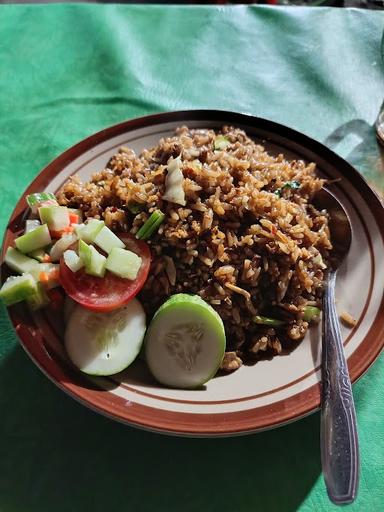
(265, 320)
(310, 313)
(151, 225)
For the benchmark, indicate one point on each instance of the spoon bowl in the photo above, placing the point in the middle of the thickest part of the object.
(339, 226)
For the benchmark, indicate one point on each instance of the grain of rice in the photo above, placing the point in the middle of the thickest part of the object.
(348, 319)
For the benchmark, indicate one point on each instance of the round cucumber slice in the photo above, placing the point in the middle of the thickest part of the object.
(185, 342)
(105, 343)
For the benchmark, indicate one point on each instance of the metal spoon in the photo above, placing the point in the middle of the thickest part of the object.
(339, 443)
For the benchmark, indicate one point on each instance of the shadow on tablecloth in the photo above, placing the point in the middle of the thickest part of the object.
(57, 455)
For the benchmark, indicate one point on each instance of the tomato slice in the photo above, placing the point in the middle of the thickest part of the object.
(108, 292)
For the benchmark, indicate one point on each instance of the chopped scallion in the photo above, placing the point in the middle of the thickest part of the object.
(265, 320)
(151, 225)
(310, 313)
(289, 185)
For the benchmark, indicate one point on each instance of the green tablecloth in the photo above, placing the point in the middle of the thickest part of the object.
(69, 70)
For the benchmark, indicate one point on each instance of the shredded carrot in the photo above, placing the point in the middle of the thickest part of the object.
(68, 229)
(46, 258)
(43, 277)
(73, 218)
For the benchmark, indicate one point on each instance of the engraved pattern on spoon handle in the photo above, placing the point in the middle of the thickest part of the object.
(339, 442)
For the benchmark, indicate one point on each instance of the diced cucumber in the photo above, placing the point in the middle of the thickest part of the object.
(52, 269)
(85, 253)
(18, 288)
(33, 240)
(56, 217)
(107, 240)
(62, 245)
(73, 261)
(39, 255)
(31, 224)
(36, 200)
(89, 231)
(105, 343)
(123, 263)
(18, 261)
(185, 342)
(96, 265)
(39, 299)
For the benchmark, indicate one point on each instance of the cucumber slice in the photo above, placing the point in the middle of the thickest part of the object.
(107, 240)
(85, 252)
(31, 224)
(18, 288)
(62, 245)
(96, 265)
(185, 342)
(105, 343)
(33, 240)
(18, 261)
(89, 231)
(57, 217)
(123, 263)
(73, 261)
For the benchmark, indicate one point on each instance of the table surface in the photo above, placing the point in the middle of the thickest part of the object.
(67, 71)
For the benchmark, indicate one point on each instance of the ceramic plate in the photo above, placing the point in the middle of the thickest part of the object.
(253, 398)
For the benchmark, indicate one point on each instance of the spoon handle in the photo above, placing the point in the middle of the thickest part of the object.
(339, 442)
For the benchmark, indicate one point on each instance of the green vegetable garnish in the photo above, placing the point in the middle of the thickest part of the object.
(310, 313)
(265, 320)
(151, 225)
(135, 208)
(288, 185)
(40, 197)
(291, 184)
(221, 142)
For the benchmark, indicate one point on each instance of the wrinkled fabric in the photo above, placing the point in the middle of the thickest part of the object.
(67, 71)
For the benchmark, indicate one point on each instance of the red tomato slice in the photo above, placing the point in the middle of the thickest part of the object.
(108, 292)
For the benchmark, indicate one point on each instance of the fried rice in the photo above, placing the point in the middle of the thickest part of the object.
(248, 240)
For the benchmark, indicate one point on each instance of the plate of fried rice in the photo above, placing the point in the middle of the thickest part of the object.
(239, 230)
